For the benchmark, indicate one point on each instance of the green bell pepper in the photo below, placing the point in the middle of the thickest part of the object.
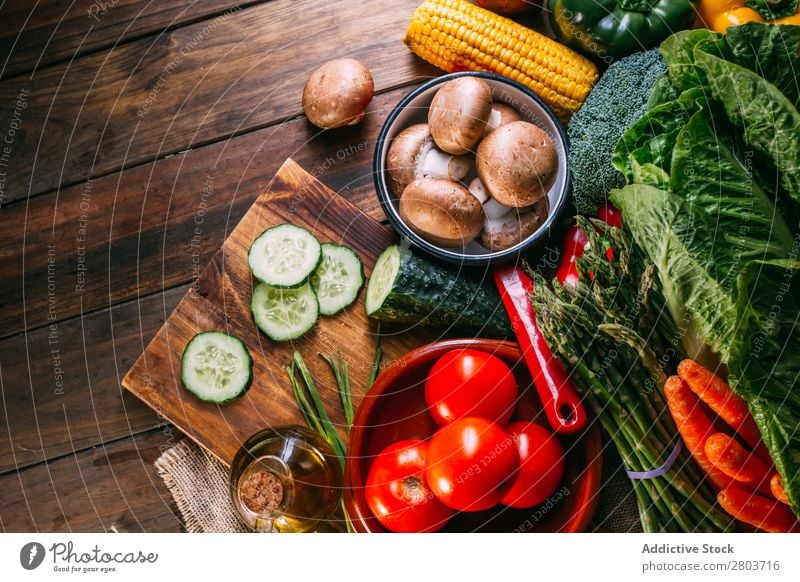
(610, 29)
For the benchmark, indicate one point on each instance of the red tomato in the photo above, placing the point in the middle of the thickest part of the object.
(541, 465)
(470, 383)
(471, 462)
(397, 493)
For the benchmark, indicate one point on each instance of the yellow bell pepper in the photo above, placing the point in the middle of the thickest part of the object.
(718, 15)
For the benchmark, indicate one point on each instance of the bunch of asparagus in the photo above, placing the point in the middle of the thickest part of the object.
(609, 330)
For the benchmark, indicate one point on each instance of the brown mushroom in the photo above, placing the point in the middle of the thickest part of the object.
(337, 93)
(503, 233)
(517, 163)
(501, 115)
(441, 211)
(414, 155)
(458, 114)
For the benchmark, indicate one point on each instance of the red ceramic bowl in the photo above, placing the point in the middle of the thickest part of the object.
(394, 409)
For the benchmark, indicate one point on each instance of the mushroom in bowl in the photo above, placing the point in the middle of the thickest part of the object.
(518, 169)
(413, 155)
(442, 211)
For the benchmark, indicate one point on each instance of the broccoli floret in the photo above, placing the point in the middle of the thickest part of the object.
(618, 100)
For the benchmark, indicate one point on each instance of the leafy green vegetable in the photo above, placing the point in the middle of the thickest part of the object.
(770, 121)
(765, 361)
(615, 103)
(714, 184)
(742, 220)
(679, 241)
(650, 141)
(662, 92)
(713, 221)
(678, 53)
(773, 9)
(770, 51)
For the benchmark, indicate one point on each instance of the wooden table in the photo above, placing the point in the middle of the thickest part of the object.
(127, 126)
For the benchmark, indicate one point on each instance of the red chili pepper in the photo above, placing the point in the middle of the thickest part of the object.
(609, 214)
(560, 400)
(575, 245)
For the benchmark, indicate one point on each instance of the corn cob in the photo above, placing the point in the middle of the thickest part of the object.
(455, 35)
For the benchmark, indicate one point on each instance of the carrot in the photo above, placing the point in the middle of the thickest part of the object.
(731, 407)
(776, 486)
(695, 427)
(752, 508)
(727, 455)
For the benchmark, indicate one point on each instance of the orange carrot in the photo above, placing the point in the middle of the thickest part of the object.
(694, 425)
(776, 486)
(715, 392)
(727, 455)
(752, 508)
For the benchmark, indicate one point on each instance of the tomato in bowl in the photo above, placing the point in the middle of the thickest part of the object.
(395, 409)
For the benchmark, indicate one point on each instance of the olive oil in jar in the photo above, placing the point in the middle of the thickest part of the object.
(286, 479)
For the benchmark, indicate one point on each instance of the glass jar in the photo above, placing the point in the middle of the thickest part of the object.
(285, 479)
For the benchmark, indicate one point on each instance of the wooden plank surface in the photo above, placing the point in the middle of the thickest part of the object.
(132, 233)
(110, 488)
(61, 385)
(191, 86)
(220, 299)
(39, 34)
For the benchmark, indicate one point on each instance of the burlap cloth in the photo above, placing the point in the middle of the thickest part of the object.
(199, 485)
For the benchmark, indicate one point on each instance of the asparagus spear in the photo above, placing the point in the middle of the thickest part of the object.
(606, 332)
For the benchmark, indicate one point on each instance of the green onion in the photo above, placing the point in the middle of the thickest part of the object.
(341, 371)
(314, 414)
(376, 359)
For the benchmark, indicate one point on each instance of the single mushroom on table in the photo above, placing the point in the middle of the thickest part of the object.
(517, 164)
(413, 155)
(503, 232)
(442, 212)
(337, 93)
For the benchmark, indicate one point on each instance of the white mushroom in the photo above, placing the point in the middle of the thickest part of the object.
(337, 93)
(459, 113)
(517, 164)
(441, 211)
(512, 228)
(413, 155)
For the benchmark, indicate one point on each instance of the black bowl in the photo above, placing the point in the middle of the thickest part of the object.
(413, 108)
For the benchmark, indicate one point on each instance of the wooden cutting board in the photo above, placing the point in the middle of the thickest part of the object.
(220, 300)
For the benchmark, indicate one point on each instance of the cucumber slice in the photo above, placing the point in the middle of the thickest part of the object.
(382, 279)
(338, 279)
(284, 314)
(216, 367)
(284, 255)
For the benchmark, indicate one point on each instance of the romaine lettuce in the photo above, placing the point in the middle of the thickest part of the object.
(765, 360)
